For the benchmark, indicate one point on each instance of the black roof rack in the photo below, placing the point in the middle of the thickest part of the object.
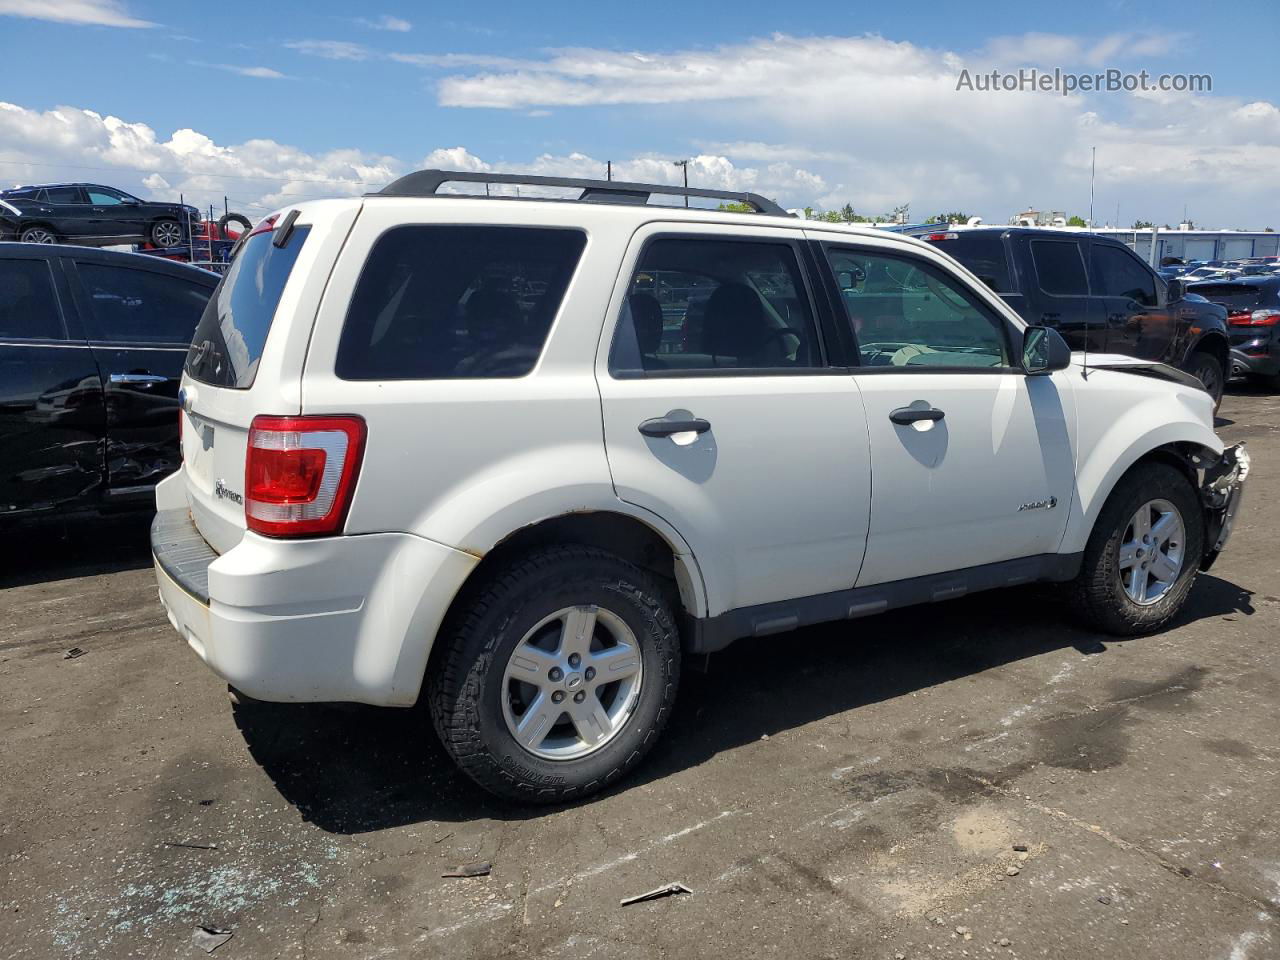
(427, 183)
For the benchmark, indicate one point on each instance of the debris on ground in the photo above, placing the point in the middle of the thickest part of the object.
(442, 839)
(1003, 941)
(481, 869)
(670, 890)
(1020, 848)
(1012, 872)
(964, 932)
(74, 652)
(210, 939)
(1104, 900)
(191, 846)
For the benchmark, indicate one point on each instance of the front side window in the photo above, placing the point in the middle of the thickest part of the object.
(101, 195)
(715, 305)
(28, 306)
(1120, 274)
(456, 302)
(1060, 268)
(139, 306)
(908, 313)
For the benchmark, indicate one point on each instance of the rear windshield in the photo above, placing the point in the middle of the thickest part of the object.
(1236, 296)
(454, 302)
(233, 329)
(982, 251)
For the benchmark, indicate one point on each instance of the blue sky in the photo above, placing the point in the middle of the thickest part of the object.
(815, 103)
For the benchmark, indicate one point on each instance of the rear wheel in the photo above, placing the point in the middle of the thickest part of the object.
(38, 235)
(557, 676)
(1208, 369)
(1143, 554)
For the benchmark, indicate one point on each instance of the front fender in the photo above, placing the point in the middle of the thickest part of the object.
(1155, 415)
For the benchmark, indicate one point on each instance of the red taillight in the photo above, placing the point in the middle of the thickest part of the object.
(300, 474)
(1258, 318)
(942, 236)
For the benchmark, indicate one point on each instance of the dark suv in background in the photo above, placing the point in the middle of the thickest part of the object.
(1099, 294)
(1253, 320)
(92, 344)
(91, 214)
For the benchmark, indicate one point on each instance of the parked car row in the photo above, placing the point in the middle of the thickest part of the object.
(1098, 294)
(91, 350)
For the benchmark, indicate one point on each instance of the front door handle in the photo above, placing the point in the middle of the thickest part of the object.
(662, 427)
(905, 415)
(138, 379)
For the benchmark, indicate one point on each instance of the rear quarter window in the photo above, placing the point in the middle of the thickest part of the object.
(438, 302)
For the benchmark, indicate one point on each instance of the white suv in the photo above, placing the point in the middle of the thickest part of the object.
(518, 456)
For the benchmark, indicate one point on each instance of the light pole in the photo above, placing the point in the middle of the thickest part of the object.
(684, 164)
(1093, 172)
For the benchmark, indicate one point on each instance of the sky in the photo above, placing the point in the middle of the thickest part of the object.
(810, 103)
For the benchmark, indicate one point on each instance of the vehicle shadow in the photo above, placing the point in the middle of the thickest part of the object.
(79, 548)
(358, 769)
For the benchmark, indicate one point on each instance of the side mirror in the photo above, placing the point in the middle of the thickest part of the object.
(1175, 289)
(1043, 351)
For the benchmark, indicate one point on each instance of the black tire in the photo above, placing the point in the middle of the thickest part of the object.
(161, 233)
(230, 218)
(1208, 370)
(37, 233)
(465, 687)
(1098, 593)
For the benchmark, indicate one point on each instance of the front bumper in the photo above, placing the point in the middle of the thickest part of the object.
(1223, 491)
(326, 619)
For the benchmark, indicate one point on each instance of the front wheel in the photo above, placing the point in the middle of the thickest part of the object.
(166, 233)
(558, 676)
(1143, 554)
(1208, 370)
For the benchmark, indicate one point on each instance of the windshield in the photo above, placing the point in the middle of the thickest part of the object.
(232, 332)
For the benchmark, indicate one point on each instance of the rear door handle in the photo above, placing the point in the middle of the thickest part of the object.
(905, 415)
(138, 379)
(662, 427)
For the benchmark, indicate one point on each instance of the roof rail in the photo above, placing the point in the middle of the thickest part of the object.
(427, 183)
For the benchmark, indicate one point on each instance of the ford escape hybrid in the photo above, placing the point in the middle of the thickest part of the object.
(517, 456)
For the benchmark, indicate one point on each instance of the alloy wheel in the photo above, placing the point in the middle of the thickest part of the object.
(1152, 552)
(571, 683)
(166, 234)
(38, 235)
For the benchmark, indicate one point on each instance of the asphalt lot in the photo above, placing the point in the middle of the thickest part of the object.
(854, 790)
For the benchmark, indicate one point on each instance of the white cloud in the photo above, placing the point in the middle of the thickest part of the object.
(385, 22)
(103, 13)
(881, 122)
(330, 49)
(261, 73)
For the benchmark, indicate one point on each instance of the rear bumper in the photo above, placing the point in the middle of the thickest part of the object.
(1261, 357)
(329, 619)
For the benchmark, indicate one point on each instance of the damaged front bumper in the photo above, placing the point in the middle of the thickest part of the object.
(1222, 490)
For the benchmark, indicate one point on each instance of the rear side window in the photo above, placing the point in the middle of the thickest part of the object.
(983, 253)
(455, 302)
(1121, 274)
(64, 195)
(139, 306)
(233, 329)
(715, 305)
(1060, 268)
(28, 306)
